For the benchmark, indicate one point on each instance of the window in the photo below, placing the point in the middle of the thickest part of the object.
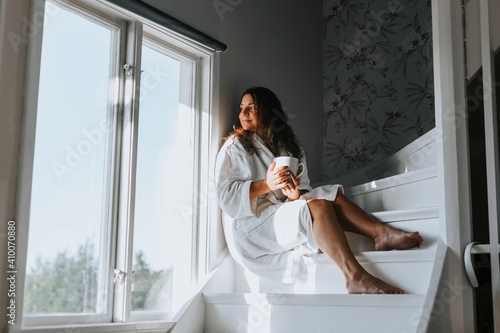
(164, 180)
(68, 265)
(115, 203)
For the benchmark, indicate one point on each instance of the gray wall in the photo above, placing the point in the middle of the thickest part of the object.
(277, 44)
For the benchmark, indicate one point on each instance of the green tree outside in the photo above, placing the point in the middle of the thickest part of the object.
(69, 283)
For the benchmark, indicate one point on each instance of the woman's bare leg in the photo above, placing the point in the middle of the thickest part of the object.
(330, 237)
(353, 218)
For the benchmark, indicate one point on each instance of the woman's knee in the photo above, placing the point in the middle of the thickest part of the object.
(318, 207)
(340, 197)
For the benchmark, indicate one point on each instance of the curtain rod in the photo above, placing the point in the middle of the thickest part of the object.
(153, 14)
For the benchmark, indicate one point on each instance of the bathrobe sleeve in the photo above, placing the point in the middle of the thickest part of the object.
(233, 176)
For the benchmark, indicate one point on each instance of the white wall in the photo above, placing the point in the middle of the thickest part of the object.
(191, 318)
(277, 44)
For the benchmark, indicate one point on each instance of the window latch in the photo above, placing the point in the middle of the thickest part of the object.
(128, 70)
(119, 276)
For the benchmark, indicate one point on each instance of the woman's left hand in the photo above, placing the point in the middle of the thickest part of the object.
(291, 189)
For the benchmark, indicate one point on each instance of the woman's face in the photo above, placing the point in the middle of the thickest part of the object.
(248, 113)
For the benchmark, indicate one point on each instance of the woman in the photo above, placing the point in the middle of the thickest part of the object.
(273, 219)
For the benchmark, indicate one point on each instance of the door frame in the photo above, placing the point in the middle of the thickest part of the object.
(453, 313)
(487, 13)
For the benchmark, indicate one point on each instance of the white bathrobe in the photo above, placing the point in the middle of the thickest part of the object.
(268, 235)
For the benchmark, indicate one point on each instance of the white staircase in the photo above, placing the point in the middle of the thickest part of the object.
(407, 201)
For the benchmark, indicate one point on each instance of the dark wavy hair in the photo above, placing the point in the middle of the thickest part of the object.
(272, 125)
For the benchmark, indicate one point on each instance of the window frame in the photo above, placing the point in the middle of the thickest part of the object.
(132, 28)
(27, 152)
(165, 48)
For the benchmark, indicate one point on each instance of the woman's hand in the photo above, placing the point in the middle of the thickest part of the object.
(292, 188)
(278, 178)
(275, 179)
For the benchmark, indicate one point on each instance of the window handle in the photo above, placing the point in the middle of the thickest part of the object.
(119, 276)
(469, 267)
(128, 70)
(476, 248)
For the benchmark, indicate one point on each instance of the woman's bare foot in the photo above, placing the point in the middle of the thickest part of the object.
(364, 283)
(398, 239)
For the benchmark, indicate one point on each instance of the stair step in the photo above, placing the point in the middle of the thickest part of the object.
(394, 181)
(416, 189)
(407, 214)
(405, 300)
(310, 313)
(423, 220)
(409, 270)
(394, 256)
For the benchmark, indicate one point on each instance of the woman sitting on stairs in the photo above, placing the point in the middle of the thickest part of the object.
(276, 218)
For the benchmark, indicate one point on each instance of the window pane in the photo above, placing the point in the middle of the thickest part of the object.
(68, 219)
(163, 201)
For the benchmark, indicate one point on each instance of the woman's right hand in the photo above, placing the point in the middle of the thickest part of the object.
(277, 178)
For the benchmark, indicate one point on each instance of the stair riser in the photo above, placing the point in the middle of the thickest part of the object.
(414, 195)
(412, 277)
(264, 318)
(427, 228)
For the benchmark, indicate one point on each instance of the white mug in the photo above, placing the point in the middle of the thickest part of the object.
(291, 162)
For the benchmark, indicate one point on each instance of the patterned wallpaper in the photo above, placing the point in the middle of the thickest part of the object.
(378, 80)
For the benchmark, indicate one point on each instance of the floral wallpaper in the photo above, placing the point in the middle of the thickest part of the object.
(378, 80)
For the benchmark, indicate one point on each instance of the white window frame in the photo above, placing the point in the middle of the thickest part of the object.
(205, 208)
